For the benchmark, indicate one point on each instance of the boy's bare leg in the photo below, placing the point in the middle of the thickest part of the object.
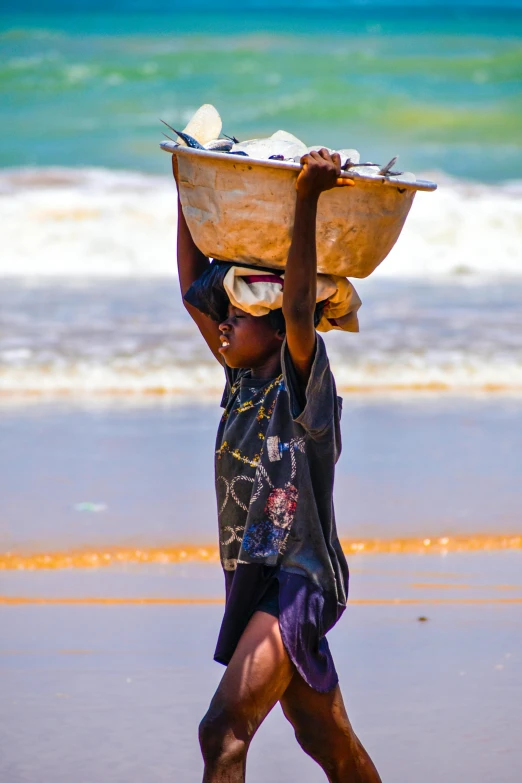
(256, 678)
(324, 732)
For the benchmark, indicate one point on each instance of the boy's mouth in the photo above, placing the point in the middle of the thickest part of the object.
(224, 343)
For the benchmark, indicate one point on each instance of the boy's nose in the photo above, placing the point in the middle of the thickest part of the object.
(224, 326)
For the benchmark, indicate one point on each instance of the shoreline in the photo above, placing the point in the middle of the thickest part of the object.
(92, 558)
(114, 476)
(132, 339)
(9, 600)
(180, 396)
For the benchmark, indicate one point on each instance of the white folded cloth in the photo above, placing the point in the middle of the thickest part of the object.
(257, 291)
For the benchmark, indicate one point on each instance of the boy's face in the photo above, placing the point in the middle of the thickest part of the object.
(248, 341)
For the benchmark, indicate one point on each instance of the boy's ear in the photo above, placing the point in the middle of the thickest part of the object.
(280, 335)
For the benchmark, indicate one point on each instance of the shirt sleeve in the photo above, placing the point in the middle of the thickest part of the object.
(317, 408)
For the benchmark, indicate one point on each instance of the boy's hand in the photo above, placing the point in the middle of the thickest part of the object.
(321, 171)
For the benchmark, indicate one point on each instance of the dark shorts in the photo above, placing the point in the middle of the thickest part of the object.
(269, 603)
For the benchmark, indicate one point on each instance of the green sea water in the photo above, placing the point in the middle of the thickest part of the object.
(441, 88)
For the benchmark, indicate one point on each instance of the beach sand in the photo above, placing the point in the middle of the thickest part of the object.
(115, 692)
(422, 466)
(106, 666)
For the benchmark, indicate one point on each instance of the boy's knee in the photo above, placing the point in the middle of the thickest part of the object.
(221, 744)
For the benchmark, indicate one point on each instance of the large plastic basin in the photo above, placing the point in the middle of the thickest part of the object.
(241, 209)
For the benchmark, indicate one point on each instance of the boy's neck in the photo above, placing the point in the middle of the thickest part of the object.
(269, 369)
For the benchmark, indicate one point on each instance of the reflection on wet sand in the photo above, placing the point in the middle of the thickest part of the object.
(10, 600)
(93, 558)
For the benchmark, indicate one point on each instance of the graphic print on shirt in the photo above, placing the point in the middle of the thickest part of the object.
(272, 500)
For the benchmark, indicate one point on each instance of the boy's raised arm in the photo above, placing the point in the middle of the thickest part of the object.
(191, 265)
(320, 172)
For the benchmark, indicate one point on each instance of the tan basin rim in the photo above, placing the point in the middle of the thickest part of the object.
(242, 209)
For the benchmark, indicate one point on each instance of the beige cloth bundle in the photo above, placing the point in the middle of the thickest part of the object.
(257, 291)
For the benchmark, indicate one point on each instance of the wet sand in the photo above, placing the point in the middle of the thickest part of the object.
(425, 465)
(106, 671)
(114, 692)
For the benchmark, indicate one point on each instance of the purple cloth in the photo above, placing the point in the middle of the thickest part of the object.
(301, 609)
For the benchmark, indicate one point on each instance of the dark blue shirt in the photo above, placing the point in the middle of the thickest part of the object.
(276, 449)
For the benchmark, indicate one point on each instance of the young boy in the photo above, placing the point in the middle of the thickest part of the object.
(285, 573)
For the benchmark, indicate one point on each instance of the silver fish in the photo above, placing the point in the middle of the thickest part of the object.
(219, 145)
(169, 146)
(189, 140)
(263, 149)
(387, 169)
(365, 169)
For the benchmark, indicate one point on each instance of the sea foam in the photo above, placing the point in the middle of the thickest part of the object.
(103, 223)
(133, 337)
(89, 303)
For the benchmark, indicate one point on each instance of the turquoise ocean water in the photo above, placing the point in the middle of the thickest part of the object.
(84, 84)
(85, 191)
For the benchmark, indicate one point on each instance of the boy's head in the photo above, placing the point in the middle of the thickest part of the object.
(249, 340)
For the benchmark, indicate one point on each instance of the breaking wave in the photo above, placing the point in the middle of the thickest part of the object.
(89, 302)
(103, 223)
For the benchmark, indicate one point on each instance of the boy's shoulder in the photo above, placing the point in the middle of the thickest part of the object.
(314, 406)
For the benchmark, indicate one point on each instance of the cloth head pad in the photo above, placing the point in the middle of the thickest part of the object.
(259, 291)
